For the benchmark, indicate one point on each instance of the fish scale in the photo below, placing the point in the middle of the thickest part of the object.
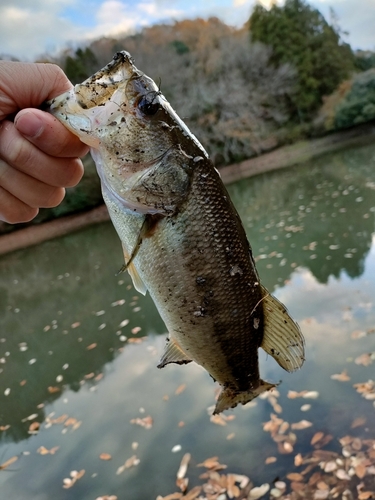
(183, 239)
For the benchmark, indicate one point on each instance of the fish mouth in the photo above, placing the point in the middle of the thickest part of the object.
(100, 87)
(104, 93)
(114, 91)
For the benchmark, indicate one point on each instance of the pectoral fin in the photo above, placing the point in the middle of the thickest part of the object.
(142, 233)
(137, 281)
(282, 337)
(173, 354)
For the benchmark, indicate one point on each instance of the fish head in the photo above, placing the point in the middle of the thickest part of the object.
(143, 151)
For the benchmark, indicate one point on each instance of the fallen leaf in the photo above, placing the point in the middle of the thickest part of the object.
(130, 462)
(91, 346)
(360, 470)
(364, 359)
(358, 334)
(218, 420)
(365, 495)
(358, 422)
(303, 424)
(34, 427)
(9, 462)
(258, 491)
(342, 474)
(341, 377)
(105, 456)
(44, 451)
(183, 466)
(68, 482)
(136, 340)
(212, 463)
(311, 395)
(297, 486)
(182, 483)
(70, 421)
(295, 476)
(180, 389)
(316, 437)
(172, 496)
(321, 494)
(193, 494)
(270, 460)
(53, 389)
(145, 422)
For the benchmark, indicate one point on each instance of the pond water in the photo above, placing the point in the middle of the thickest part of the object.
(79, 348)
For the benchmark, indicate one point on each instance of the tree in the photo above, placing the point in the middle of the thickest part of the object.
(358, 105)
(299, 35)
(81, 66)
(364, 60)
(224, 88)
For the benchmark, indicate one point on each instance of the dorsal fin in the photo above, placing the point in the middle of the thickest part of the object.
(282, 337)
(173, 354)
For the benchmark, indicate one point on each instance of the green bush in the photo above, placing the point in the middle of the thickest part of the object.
(358, 105)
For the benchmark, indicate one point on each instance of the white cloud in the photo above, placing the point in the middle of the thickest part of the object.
(114, 17)
(28, 31)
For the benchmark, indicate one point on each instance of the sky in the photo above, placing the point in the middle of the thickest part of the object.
(29, 29)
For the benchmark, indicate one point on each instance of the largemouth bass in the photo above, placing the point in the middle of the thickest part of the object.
(182, 238)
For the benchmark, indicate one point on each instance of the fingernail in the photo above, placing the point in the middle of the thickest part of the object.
(29, 125)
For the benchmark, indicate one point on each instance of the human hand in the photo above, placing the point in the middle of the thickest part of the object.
(39, 157)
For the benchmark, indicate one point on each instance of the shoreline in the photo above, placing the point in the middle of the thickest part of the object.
(299, 152)
(283, 157)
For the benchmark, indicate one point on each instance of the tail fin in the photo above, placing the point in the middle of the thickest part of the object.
(229, 398)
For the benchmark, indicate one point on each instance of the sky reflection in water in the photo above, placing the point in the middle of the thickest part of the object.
(64, 347)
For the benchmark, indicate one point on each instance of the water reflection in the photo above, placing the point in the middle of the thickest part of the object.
(320, 217)
(58, 301)
(66, 321)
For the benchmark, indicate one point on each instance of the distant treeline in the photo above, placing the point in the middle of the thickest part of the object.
(245, 91)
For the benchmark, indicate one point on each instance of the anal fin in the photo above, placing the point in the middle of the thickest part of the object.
(173, 354)
(282, 337)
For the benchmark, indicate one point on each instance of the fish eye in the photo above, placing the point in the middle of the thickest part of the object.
(147, 106)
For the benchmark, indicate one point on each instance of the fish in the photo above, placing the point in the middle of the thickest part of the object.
(182, 238)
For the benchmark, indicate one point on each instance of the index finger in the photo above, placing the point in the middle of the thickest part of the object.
(48, 134)
(24, 85)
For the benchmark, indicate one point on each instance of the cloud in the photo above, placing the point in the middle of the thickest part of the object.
(116, 17)
(27, 31)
